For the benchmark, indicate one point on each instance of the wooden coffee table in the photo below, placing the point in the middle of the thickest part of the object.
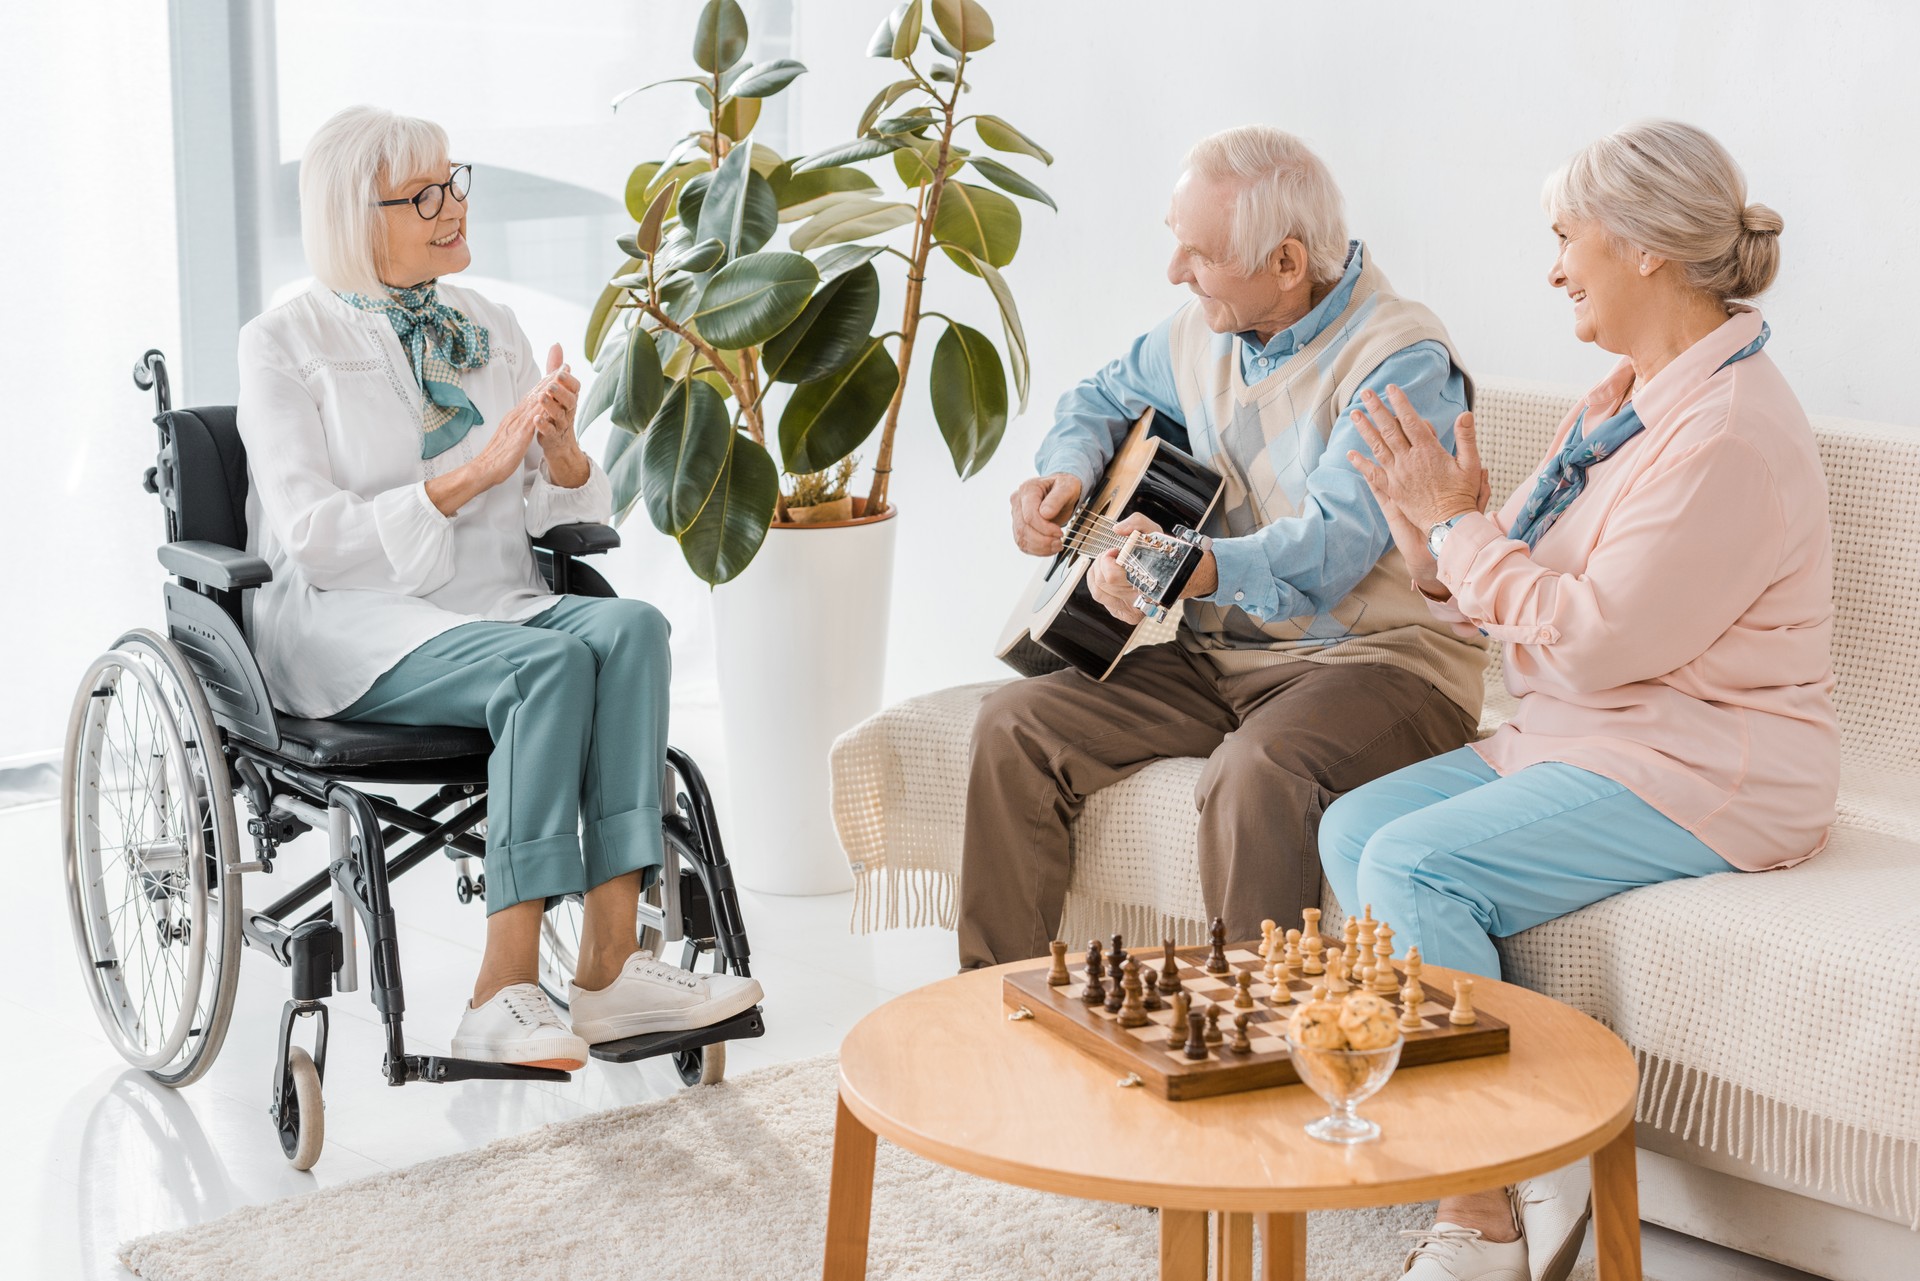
(944, 1073)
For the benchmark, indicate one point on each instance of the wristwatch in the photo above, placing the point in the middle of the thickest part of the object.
(1437, 534)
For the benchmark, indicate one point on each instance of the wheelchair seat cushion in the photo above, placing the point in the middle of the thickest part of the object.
(355, 744)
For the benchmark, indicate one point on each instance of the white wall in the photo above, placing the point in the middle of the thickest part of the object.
(1441, 121)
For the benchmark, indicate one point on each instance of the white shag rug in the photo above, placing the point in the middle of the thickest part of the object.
(729, 1181)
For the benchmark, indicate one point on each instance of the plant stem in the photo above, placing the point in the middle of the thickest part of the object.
(739, 384)
(924, 215)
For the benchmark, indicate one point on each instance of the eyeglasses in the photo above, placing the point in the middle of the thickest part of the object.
(429, 199)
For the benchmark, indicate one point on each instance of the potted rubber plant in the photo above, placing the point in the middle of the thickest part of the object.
(705, 328)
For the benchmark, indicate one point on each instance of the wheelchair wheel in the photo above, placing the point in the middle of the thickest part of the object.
(560, 932)
(704, 1066)
(148, 831)
(303, 1116)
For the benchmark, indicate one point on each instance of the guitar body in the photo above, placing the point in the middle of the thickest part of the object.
(1057, 623)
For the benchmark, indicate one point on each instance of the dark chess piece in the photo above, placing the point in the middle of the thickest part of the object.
(1196, 1046)
(1133, 1012)
(1116, 993)
(1214, 1035)
(1243, 991)
(1181, 1005)
(1150, 990)
(1170, 972)
(1217, 955)
(1240, 1044)
(1096, 991)
(1116, 956)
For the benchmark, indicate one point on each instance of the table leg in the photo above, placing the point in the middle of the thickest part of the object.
(849, 1198)
(1183, 1245)
(1616, 1209)
(1232, 1246)
(1283, 1247)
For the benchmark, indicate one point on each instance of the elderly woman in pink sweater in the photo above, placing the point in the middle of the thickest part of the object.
(1662, 593)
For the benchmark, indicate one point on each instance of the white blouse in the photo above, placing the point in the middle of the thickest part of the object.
(365, 568)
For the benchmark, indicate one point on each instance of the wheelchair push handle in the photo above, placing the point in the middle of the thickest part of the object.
(150, 374)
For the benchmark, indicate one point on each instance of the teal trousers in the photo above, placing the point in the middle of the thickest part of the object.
(576, 701)
(1453, 855)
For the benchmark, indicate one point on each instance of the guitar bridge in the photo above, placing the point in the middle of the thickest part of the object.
(1160, 565)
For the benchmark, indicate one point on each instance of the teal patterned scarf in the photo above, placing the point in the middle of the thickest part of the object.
(439, 342)
(1566, 476)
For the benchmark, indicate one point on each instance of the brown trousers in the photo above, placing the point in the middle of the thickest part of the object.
(1281, 742)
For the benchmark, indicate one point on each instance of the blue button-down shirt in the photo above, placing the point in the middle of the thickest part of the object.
(1305, 563)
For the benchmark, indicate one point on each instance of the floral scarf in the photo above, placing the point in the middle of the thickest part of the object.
(439, 342)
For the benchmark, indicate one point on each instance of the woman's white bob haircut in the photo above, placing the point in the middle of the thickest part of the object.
(1285, 190)
(342, 231)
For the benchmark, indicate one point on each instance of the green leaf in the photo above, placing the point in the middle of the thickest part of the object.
(764, 79)
(850, 220)
(728, 532)
(1001, 136)
(606, 382)
(943, 73)
(603, 314)
(882, 100)
(846, 153)
(983, 222)
(804, 188)
(907, 122)
(1010, 320)
(625, 465)
(832, 330)
(906, 32)
(826, 202)
(737, 208)
(941, 45)
(914, 161)
(841, 259)
(638, 183)
(628, 243)
(1010, 180)
(738, 117)
(753, 298)
(686, 448)
(765, 161)
(619, 98)
(964, 23)
(704, 256)
(969, 392)
(641, 382)
(648, 237)
(826, 420)
(719, 36)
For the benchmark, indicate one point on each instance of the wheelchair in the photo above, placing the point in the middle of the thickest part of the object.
(166, 731)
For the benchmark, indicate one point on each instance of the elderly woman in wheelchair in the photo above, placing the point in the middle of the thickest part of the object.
(403, 444)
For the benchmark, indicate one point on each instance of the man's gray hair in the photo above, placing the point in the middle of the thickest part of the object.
(343, 233)
(1285, 190)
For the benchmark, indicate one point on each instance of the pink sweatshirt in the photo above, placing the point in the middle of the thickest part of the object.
(1673, 630)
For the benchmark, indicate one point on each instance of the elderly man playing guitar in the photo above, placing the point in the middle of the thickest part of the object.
(1306, 663)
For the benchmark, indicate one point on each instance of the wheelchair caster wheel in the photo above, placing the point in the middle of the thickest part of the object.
(303, 1124)
(704, 1066)
(468, 888)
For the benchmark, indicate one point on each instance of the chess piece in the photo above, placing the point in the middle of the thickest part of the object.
(1058, 976)
(1181, 1004)
(1243, 991)
(1412, 997)
(1365, 936)
(1266, 936)
(1116, 956)
(1383, 982)
(1170, 972)
(1310, 942)
(1282, 991)
(1463, 1015)
(1337, 984)
(1217, 953)
(1414, 965)
(1096, 991)
(1240, 1044)
(1290, 955)
(1150, 990)
(1196, 1046)
(1317, 993)
(1213, 1034)
(1133, 1012)
(1116, 990)
(1350, 939)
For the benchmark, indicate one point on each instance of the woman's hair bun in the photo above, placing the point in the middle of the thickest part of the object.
(1761, 220)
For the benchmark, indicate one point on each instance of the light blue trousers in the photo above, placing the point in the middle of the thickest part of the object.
(576, 701)
(1453, 856)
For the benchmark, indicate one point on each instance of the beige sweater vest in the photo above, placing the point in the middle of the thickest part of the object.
(1239, 430)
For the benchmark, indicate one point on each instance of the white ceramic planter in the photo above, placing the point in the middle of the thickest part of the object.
(801, 647)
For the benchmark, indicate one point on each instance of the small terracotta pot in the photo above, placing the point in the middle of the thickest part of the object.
(852, 511)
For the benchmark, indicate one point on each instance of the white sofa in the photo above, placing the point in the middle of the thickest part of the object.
(1776, 1017)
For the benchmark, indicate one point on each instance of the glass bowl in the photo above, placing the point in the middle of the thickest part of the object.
(1344, 1078)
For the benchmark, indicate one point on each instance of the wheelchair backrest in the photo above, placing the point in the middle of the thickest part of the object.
(201, 475)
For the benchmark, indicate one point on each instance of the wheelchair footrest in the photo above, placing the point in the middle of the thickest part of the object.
(740, 1027)
(440, 1070)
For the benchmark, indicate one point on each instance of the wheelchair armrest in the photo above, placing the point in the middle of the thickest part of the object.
(214, 565)
(578, 540)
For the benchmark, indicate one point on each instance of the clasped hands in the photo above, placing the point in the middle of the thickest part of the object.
(1417, 483)
(544, 414)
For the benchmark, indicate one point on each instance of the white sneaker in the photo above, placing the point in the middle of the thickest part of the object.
(1554, 1210)
(652, 996)
(517, 1025)
(1449, 1252)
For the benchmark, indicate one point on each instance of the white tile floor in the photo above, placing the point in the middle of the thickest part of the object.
(92, 1153)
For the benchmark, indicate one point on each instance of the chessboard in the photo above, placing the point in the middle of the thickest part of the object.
(1154, 1053)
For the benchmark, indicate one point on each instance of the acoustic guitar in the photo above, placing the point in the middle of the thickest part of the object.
(1058, 623)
